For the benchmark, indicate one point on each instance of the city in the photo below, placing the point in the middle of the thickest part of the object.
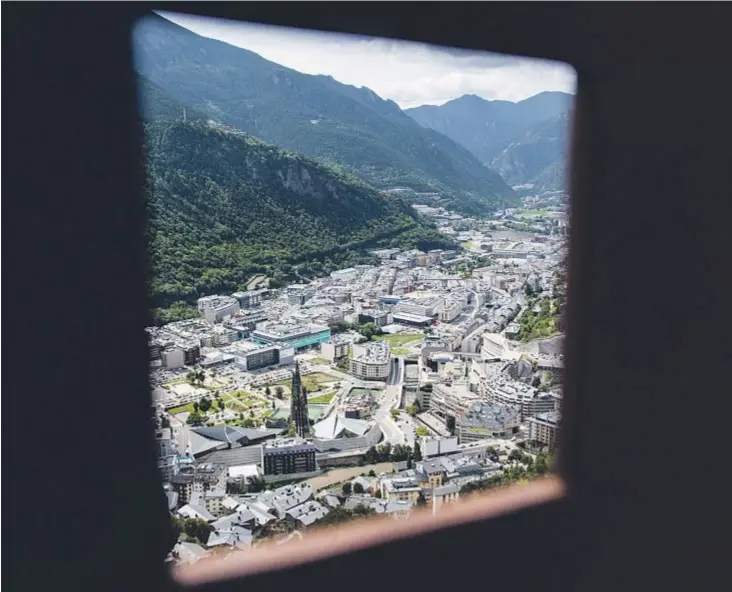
(379, 389)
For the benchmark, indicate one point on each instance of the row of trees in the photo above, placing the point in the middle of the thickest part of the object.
(195, 529)
(518, 473)
(397, 453)
(340, 515)
(279, 391)
(368, 330)
(538, 324)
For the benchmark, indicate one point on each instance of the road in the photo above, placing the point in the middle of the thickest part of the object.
(390, 400)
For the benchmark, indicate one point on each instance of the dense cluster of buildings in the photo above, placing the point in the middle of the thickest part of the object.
(475, 388)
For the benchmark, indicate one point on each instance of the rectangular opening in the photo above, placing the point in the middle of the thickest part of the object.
(358, 275)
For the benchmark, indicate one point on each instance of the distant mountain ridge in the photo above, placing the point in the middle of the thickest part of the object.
(538, 157)
(525, 142)
(314, 115)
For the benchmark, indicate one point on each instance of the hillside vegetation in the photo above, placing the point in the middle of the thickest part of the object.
(224, 206)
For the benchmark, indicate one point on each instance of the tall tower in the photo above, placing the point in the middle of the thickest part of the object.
(299, 405)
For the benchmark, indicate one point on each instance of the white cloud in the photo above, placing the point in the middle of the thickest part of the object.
(410, 74)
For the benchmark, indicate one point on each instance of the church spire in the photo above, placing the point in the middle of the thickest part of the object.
(299, 404)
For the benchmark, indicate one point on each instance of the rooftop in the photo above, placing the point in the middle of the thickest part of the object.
(377, 352)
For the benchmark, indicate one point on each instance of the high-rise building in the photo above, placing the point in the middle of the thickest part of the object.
(299, 405)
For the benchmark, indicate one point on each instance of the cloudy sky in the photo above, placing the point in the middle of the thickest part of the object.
(410, 74)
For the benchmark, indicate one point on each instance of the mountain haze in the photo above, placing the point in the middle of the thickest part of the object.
(523, 141)
(538, 157)
(314, 115)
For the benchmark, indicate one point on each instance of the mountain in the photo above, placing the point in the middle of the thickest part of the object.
(486, 127)
(538, 157)
(521, 141)
(314, 115)
(224, 206)
(156, 104)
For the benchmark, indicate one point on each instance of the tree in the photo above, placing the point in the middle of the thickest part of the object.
(400, 452)
(361, 510)
(358, 488)
(372, 455)
(293, 429)
(417, 452)
(255, 484)
(368, 330)
(422, 431)
(222, 405)
(267, 391)
(248, 423)
(378, 494)
(372, 473)
(204, 404)
(541, 466)
(235, 487)
(516, 454)
(195, 419)
(279, 392)
(346, 489)
(384, 452)
(197, 529)
(196, 407)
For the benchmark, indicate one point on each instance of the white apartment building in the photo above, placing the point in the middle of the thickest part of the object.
(219, 336)
(426, 307)
(370, 360)
(217, 308)
(336, 347)
(451, 310)
(173, 357)
(451, 400)
(166, 452)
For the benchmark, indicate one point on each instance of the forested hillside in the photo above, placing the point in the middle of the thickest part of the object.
(313, 115)
(225, 206)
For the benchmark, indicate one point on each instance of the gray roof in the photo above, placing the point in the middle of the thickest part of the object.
(309, 512)
(243, 455)
(234, 536)
(193, 511)
(395, 506)
(233, 434)
(445, 489)
(488, 415)
(238, 518)
(431, 467)
(190, 552)
(364, 500)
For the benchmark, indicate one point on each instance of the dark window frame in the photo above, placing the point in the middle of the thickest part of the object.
(73, 189)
